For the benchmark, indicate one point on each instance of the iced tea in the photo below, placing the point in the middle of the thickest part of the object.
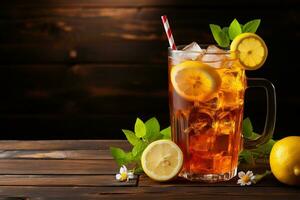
(206, 97)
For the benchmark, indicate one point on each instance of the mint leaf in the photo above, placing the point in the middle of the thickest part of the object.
(247, 128)
(152, 129)
(121, 157)
(139, 128)
(234, 29)
(220, 35)
(215, 29)
(138, 150)
(247, 156)
(138, 170)
(242, 27)
(264, 149)
(225, 30)
(251, 26)
(224, 39)
(132, 139)
(166, 133)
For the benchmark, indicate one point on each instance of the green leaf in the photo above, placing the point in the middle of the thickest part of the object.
(152, 129)
(138, 149)
(247, 156)
(264, 149)
(247, 128)
(139, 128)
(224, 39)
(215, 29)
(251, 26)
(138, 170)
(242, 27)
(121, 157)
(220, 35)
(234, 29)
(132, 139)
(166, 133)
(225, 30)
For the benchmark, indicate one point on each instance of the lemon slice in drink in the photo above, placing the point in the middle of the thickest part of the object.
(252, 50)
(162, 160)
(194, 80)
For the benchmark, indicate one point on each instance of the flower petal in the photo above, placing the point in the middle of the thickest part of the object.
(130, 175)
(248, 183)
(249, 173)
(241, 174)
(252, 178)
(118, 177)
(239, 181)
(123, 169)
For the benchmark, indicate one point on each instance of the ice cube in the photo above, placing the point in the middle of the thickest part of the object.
(214, 56)
(214, 49)
(191, 52)
(200, 120)
(192, 47)
(226, 122)
(201, 163)
(222, 164)
(200, 142)
(221, 143)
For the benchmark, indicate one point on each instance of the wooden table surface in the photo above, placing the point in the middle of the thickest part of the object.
(84, 169)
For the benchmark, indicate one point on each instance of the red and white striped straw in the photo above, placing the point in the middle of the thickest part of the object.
(168, 32)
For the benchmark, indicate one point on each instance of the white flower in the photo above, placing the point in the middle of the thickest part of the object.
(245, 179)
(124, 174)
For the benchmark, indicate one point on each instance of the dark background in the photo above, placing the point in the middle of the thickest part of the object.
(87, 68)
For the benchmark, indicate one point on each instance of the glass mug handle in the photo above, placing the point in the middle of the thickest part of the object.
(271, 112)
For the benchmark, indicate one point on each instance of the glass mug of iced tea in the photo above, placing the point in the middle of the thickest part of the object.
(206, 99)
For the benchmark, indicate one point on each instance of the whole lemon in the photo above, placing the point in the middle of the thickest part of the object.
(285, 160)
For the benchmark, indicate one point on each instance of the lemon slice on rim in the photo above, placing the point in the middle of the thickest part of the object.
(252, 50)
(162, 160)
(194, 80)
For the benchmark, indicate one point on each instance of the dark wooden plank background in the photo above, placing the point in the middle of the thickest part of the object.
(87, 68)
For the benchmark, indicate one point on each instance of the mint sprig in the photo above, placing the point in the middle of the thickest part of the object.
(234, 29)
(143, 135)
(249, 156)
(223, 35)
(251, 26)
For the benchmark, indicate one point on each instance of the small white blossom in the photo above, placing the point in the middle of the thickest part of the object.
(245, 179)
(124, 174)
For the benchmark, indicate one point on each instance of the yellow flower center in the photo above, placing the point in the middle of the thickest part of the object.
(245, 179)
(124, 176)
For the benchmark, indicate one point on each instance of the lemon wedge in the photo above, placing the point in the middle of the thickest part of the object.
(162, 160)
(194, 80)
(252, 50)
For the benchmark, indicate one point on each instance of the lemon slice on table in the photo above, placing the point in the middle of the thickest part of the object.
(252, 50)
(194, 80)
(162, 160)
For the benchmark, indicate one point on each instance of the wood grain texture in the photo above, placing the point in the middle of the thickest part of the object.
(62, 144)
(42, 166)
(261, 193)
(64, 180)
(58, 154)
(146, 3)
(71, 35)
(76, 178)
(84, 89)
